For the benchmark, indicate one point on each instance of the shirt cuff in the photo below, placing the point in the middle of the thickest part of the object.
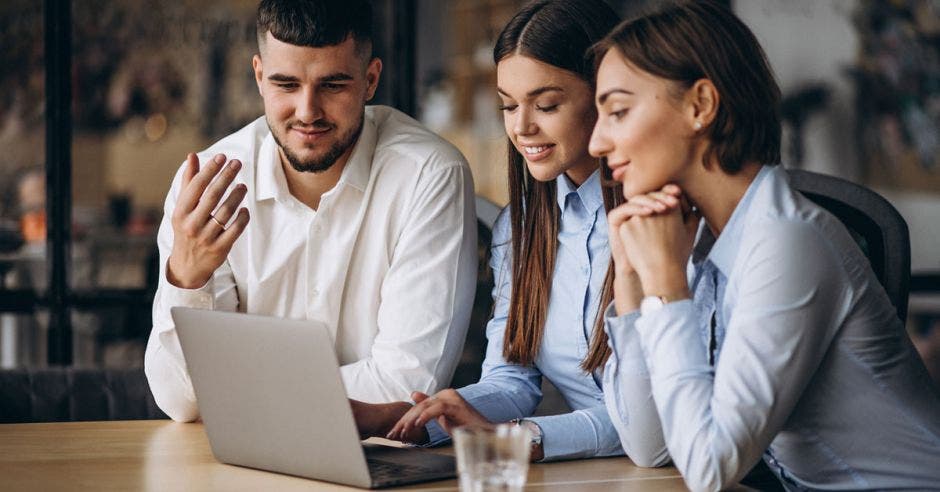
(201, 298)
(436, 434)
(670, 340)
(624, 342)
(566, 436)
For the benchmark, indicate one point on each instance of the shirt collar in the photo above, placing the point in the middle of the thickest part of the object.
(359, 166)
(589, 192)
(725, 248)
(272, 183)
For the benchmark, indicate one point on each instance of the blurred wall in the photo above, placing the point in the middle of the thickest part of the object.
(815, 41)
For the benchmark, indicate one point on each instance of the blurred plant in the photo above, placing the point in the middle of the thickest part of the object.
(898, 81)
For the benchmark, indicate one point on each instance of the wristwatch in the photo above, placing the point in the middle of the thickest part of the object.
(651, 304)
(534, 430)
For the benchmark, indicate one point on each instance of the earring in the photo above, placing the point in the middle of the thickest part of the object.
(697, 125)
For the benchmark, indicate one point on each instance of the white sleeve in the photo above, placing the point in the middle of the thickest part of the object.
(789, 302)
(427, 294)
(163, 361)
(627, 393)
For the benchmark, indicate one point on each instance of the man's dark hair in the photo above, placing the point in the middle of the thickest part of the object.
(317, 23)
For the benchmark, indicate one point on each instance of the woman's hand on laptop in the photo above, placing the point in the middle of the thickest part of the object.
(377, 419)
(447, 406)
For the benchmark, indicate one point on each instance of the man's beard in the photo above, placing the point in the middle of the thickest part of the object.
(325, 161)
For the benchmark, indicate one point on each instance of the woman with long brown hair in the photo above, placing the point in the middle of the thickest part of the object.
(764, 330)
(550, 256)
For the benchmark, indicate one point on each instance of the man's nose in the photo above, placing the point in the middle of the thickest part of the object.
(309, 107)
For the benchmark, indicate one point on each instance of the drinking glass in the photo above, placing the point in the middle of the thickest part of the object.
(492, 459)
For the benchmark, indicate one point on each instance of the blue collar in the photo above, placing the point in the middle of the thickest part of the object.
(589, 192)
(725, 249)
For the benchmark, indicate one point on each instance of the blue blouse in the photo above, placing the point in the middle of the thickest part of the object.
(507, 391)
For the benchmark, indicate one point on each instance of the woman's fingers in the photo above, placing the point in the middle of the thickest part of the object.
(657, 201)
(447, 407)
(672, 189)
(437, 408)
(667, 199)
(408, 421)
(624, 212)
(400, 426)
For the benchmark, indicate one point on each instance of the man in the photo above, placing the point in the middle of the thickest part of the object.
(359, 217)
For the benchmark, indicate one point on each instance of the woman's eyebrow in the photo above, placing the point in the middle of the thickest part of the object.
(536, 92)
(603, 97)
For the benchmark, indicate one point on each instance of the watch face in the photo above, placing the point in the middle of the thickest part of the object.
(534, 430)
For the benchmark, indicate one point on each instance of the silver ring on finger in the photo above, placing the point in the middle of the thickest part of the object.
(217, 221)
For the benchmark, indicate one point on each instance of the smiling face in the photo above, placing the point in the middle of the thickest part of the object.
(548, 113)
(645, 127)
(314, 99)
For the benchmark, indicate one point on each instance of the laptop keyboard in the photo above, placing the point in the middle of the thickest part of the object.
(387, 471)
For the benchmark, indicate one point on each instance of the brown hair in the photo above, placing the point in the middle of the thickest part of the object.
(557, 32)
(702, 39)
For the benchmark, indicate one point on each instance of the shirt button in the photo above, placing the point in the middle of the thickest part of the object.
(315, 292)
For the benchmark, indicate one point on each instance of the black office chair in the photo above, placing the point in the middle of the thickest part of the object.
(881, 233)
(63, 394)
(471, 359)
(875, 224)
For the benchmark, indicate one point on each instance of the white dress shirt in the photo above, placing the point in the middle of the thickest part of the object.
(388, 261)
(790, 349)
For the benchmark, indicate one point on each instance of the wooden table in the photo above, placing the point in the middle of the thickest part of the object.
(165, 455)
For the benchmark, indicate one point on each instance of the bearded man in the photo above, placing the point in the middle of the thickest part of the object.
(323, 209)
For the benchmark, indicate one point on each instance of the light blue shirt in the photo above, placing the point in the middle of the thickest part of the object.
(508, 391)
(812, 370)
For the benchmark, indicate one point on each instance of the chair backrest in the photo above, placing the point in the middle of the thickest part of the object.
(57, 394)
(471, 359)
(875, 224)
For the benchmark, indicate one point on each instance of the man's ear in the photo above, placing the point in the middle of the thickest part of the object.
(259, 73)
(373, 73)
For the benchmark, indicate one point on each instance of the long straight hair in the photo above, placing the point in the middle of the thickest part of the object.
(559, 33)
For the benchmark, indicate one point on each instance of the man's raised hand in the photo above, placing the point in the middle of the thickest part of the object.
(201, 240)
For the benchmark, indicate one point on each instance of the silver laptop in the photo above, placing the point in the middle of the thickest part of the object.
(271, 397)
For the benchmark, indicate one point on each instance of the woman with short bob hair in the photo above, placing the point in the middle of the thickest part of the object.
(763, 329)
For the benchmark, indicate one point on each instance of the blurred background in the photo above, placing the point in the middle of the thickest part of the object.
(102, 99)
